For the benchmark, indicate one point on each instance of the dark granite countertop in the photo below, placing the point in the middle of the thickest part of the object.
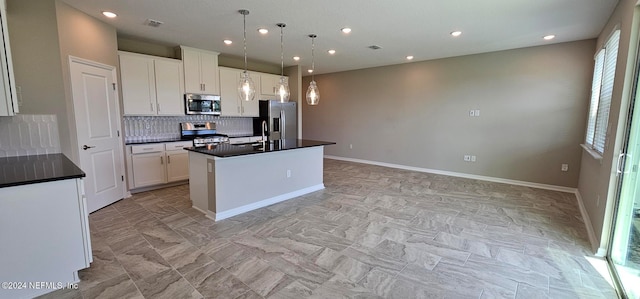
(230, 150)
(24, 170)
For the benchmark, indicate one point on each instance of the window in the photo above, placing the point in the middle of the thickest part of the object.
(601, 91)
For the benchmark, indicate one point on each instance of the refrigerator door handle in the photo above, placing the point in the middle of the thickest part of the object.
(283, 124)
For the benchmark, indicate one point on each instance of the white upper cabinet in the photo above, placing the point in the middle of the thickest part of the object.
(8, 97)
(151, 85)
(200, 71)
(138, 84)
(169, 87)
(269, 83)
(230, 102)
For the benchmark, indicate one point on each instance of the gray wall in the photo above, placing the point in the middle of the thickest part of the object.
(82, 36)
(36, 60)
(533, 104)
(41, 51)
(597, 184)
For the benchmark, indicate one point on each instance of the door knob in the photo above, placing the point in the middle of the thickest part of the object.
(86, 147)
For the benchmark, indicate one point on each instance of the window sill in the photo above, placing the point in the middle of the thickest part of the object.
(591, 152)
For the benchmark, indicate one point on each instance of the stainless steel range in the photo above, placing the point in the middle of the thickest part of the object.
(202, 134)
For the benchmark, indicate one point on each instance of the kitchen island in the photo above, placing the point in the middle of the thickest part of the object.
(226, 180)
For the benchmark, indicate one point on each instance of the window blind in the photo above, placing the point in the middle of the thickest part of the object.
(602, 91)
(595, 95)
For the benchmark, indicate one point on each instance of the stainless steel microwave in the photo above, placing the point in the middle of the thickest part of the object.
(201, 104)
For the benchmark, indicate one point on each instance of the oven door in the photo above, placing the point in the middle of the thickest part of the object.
(202, 104)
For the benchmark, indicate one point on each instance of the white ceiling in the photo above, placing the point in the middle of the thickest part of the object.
(402, 27)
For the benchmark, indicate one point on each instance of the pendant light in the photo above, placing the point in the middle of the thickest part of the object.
(246, 88)
(313, 94)
(282, 90)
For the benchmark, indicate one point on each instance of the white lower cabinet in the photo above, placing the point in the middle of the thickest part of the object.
(44, 237)
(177, 165)
(157, 164)
(148, 169)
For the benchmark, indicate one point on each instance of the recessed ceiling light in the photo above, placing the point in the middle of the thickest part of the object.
(346, 30)
(310, 71)
(296, 58)
(549, 37)
(263, 31)
(456, 33)
(228, 42)
(332, 51)
(109, 14)
(409, 57)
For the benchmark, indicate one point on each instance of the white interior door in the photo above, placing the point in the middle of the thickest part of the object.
(97, 123)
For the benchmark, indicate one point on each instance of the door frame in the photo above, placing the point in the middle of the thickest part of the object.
(114, 74)
(618, 175)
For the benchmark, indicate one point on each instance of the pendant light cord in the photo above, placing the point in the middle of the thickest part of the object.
(244, 22)
(313, 58)
(281, 51)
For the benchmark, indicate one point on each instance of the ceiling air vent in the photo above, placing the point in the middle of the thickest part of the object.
(153, 23)
(375, 47)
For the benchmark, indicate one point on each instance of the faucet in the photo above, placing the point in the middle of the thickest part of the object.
(264, 129)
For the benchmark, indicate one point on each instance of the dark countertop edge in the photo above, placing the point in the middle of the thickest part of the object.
(204, 152)
(176, 140)
(74, 172)
(29, 182)
(157, 141)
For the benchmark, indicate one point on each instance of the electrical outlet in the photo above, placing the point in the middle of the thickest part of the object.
(564, 167)
(350, 146)
(473, 158)
(288, 173)
(467, 158)
(477, 112)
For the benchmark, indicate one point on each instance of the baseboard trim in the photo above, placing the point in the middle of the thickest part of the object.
(460, 175)
(587, 223)
(156, 187)
(200, 210)
(263, 203)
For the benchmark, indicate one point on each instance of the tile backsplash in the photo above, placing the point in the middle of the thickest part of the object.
(28, 134)
(156, 128)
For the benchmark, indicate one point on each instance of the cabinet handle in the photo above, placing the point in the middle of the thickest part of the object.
(161, 160)
(151, 106)
(242, 109)
(168, 159)
(158, 105)
(204, 86)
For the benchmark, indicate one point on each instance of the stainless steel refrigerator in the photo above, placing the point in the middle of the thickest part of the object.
(281, 119)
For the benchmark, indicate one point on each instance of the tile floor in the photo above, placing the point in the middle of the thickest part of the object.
(374, 232)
